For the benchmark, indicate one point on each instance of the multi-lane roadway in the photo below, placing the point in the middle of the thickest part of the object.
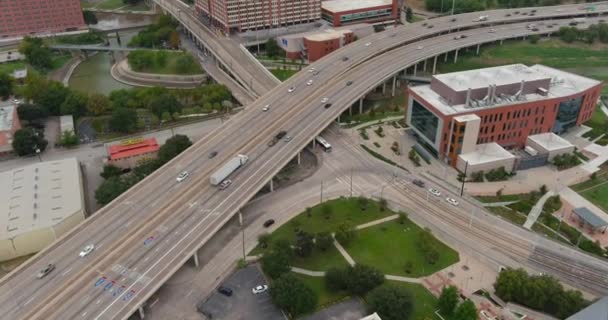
(145, 235)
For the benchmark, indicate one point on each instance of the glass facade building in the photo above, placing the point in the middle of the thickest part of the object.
(426, 122)
(567, 114)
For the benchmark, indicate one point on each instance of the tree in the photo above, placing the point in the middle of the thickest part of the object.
(534, 38)
(98, 104)
(141, 60)
(110, 171)
(362, 203)
(26, 142)
(36, 52)
(363, 278)
(292, 295)
(31, 112)
(264, 240)
(275, 263)
(383, 204)
(272, 48)
(324, 240)
(123, 120)
(130, 2)
(173, 146)
(336, 278)
(465, 311)
(390, 302)
(184, 63)
(7, 84)
(75, 104)
(174, 40)
(69, 138)
(110, 189)
(409, 15)
(51, 95)
(327, 210)
(304, 244)
(344, 234)
(164, 103)
(89, 17)
(448, 300)
(568, 34)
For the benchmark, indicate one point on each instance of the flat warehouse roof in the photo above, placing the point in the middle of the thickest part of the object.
(480, 78)
(349, 5)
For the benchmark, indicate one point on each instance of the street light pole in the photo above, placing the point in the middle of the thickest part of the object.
(351, 183)
(453, 2)
(321, 191)
(464, 178)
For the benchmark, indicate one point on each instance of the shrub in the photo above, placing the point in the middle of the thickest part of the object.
(413, 155)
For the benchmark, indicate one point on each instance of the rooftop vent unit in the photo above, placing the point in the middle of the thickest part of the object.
(542, 91)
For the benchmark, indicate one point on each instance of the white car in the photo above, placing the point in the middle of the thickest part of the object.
(368, 44)
(311, 70)
(435, 192)
(291, 89)
(86, 250)
(419, 47)
(309, 82)
(266, 108)
(182, 176)
(287, 138)
(259, 289)
(324, 100)
(451, 201)
(225, 184)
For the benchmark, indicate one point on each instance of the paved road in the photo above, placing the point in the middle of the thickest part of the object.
(145, 235)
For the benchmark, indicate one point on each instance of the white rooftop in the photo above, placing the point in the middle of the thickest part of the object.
(562, 84)
(39, 196)
(348, 5)
(467, 118)
(66, 123)
(550, 141)
(327, 34)
(373, 316)
(480, 78)
(6, 117)
(486, 153)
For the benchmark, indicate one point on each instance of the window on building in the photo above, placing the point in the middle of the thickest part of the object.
(424, 121)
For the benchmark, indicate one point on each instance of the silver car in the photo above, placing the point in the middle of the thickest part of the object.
(225, 184)
(182, 176)
(86, 250)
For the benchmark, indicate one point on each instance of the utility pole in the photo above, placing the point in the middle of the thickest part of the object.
(351, 183)
(243, 234)
(321, 191)
(464, 179)
(453, 2)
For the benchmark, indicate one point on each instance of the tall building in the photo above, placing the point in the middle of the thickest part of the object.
(238, 15)
(486, 109)
(343, 12)
(20, 18)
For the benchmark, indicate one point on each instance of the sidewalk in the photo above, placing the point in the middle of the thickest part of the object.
(343, 252)
(376, 222)
(537, 209)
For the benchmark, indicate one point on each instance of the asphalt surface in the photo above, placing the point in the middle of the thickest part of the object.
(145, 235)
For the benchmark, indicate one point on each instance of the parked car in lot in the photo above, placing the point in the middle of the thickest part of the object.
(182, 176)
(268, 223)
(435, 192)
(451, 201)
(418, 182)
(225, 291)
(259, 289)
(46, 270)
(86, 250)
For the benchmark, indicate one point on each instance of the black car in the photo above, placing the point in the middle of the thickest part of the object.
(212, 154)
(268, 223)
(281, 134)
(419, 183)
(348, 83)
(327, 105)
(344, 58)
(225, 291)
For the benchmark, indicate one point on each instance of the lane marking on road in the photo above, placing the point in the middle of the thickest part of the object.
(66, 271)
(84, 314)
(28, 301)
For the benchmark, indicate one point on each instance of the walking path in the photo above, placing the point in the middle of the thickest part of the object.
(345, 254)
(308, 272)
(374, 122)
(403, 279)
(376, 222)
(498, 204)
(537, 209)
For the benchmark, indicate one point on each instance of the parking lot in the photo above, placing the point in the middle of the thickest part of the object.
(243, 304)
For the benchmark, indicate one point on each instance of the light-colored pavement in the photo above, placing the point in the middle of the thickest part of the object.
(498, 204)
(377, 222)
(178, 218)
(344, 254)
(308, 272)
(403, 279)
(537, 209)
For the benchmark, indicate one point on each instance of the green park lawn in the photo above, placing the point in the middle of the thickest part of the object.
(283, 74)
(598, 124)
(584, 59)
(170, 66)
(320, 260)
(595, 190)
(390, 245)
(110, 4)
(9, 67)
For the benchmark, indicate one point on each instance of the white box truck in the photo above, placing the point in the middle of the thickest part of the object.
(227, 169)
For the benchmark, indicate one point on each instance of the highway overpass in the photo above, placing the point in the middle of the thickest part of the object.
(146, 234)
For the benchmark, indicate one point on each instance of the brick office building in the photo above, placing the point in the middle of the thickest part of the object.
(502, 105)
(237, 15)
(19, 18)
(343, 12)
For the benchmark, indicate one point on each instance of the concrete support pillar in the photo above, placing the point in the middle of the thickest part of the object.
(350, 110)
(477, 52)
(141, 312)
(434, 64)
(195, 256)
(446, 57)
(338, 119)
(314, 143)
(299, 158)
(361, 106)
(394, 81)
(384, 88)
(415, 68)
(501, 41)
(456, 56)
(271, 185)
(424, 66)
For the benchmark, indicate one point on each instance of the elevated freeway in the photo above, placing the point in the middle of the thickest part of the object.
(146, 234)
